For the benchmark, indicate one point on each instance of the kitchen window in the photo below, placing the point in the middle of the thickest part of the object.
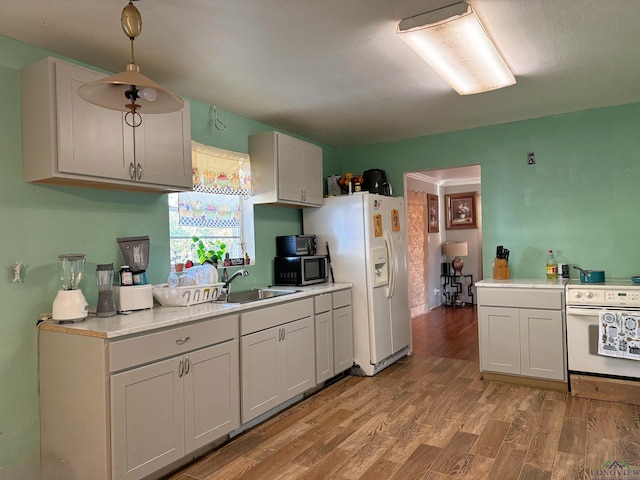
(218, 209)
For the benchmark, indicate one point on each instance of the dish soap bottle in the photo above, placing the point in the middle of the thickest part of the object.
(552, 266)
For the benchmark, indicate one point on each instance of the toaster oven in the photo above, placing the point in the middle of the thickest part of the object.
(296, 245)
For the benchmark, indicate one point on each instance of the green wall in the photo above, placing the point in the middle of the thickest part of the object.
(580, 199)
(39, 222)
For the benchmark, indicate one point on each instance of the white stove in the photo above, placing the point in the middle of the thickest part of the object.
(586, 305)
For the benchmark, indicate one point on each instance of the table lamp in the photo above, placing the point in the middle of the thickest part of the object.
(457, 250)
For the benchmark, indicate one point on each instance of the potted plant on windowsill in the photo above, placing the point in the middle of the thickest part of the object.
(209, 252)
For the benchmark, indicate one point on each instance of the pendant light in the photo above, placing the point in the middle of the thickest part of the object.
(131, 91)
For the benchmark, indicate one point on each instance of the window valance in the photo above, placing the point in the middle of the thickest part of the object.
(220, 171)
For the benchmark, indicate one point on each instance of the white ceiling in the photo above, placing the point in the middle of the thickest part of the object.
(334, 71)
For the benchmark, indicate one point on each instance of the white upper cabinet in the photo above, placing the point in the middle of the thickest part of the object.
(69, 141)
(285, 170)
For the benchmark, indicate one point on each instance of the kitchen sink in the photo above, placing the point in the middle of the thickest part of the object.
(256, 294)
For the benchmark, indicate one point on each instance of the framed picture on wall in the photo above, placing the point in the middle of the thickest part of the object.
(433, 212)
(461, 210)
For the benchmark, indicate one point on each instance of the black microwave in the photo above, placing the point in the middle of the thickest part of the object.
(300, 270)
(296, 245)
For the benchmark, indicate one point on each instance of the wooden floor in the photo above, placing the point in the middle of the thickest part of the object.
(430, 416)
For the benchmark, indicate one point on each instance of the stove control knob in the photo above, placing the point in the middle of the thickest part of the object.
(588, 295)
(578, 294)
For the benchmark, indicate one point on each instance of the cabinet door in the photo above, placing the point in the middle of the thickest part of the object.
(499, 331)
(312, 185)
(298, 359)
(147, 419)
(342, 339)
(542, 343)
(324, 346)
(261, 377)
(289, 168)
(92, 140)
(163, 149)
(211, 394)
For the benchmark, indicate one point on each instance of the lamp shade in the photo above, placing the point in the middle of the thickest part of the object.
(109, 92)
(456, 249)
(453, 41)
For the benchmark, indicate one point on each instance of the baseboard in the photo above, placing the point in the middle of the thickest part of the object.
(607, 389)
(526, 381)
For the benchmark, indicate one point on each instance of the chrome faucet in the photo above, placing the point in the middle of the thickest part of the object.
(226, 279)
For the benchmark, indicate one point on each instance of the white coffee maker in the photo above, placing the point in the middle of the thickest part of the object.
(70, 304)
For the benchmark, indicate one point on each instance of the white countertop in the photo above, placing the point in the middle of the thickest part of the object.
(161, 317)
(523, 283)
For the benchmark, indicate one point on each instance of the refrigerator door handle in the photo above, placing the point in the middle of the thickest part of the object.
(390, 264)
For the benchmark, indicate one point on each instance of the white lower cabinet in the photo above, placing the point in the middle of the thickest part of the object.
(163, 411)
(128, 407)
(342, 331)
(324, 337)
(139, 405)
(277, 356)
(342, 339)
(334, 334)
(520, 339)
(147, 416)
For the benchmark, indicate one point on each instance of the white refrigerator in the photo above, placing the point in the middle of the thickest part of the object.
(366, 234)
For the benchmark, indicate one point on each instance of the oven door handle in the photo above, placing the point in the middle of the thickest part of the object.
(584, 312)
(578, 311)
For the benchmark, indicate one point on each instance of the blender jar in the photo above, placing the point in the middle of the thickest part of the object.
(106, 304)
(71, 270)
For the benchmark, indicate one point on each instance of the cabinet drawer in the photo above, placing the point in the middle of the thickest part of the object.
(154, 346)
(263, 318)
(342, 298)
(322, 303)
(521, 298)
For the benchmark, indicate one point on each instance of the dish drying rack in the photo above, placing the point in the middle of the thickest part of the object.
(187, 295)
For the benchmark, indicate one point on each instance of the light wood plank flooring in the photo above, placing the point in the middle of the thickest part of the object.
(432, 417)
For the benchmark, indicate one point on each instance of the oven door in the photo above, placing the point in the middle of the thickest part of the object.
(582, 345)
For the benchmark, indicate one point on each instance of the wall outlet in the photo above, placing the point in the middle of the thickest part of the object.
(436, 292)
(531, 158)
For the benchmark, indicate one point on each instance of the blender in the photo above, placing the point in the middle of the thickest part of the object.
(70, 304)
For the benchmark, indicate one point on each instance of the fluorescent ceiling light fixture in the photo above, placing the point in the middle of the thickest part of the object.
(453, 41)
(131, 91)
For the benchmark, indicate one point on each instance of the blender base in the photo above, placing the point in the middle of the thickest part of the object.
(69, 306)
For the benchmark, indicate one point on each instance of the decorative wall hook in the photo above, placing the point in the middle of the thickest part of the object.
(17, 272)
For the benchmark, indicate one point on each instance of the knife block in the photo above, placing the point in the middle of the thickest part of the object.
(501, 269)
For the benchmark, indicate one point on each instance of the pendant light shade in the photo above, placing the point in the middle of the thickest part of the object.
(110, 92)
(453, 41)
(131, 91)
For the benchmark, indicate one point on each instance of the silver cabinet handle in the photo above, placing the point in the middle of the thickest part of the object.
(140, 172)
(183, 340)
(132, 171)
(187, 365)
(284, 334)
(181, 368)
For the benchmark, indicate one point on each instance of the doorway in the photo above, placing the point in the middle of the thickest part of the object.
(425, 254)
